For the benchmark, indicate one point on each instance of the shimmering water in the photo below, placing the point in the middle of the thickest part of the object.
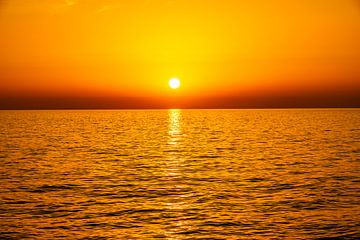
(180, 174)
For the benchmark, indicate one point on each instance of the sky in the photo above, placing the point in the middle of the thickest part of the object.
(229, 53)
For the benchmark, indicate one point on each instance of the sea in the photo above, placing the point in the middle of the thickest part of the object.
(180, 174)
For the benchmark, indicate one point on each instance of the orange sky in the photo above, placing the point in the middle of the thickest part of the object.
(217, 48)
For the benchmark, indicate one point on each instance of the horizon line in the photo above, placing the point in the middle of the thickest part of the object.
(240, 102)
(188, 108)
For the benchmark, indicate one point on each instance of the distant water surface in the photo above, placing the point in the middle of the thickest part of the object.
(180, 174)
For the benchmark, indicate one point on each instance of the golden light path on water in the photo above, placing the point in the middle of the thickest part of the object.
(173, 170)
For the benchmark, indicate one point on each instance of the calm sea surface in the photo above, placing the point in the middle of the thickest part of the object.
(180, 174)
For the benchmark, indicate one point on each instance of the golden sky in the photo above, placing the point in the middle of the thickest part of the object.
(216, 48)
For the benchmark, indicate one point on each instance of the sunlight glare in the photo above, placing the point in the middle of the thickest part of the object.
(174, 83)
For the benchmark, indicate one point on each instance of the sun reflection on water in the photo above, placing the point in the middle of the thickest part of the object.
(178, 204)
(174, 141)
(174, 131)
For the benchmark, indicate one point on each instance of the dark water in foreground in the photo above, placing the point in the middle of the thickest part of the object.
(180, 174)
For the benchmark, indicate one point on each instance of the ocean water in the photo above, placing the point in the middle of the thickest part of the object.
(180, 174)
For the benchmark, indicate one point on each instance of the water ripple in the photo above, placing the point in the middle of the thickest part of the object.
(193, 174)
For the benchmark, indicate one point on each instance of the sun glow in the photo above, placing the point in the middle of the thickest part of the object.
(174, 83)
(171, 50)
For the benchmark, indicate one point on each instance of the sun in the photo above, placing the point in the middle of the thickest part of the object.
(174, 83)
